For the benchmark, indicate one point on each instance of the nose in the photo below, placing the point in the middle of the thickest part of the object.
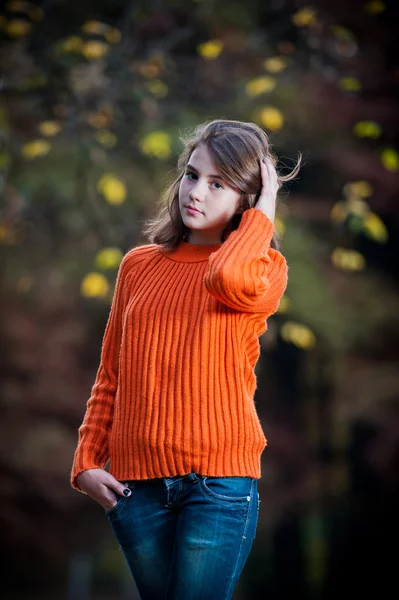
(197, 192)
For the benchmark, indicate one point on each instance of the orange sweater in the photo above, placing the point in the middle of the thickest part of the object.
(174, 391)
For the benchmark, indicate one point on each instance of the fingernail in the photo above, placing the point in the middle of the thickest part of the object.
(127, 492)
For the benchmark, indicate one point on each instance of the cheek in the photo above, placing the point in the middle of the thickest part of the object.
(183, 185)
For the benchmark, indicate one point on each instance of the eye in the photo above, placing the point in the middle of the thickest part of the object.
(195, 175)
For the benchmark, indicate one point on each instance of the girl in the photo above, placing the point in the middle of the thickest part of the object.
(172, 406)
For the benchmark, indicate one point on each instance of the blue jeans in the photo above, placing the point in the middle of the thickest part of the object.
(187, 537)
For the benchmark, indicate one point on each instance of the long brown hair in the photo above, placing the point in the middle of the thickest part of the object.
(236, 148)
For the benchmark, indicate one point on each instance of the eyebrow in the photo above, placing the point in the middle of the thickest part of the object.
(210, 176)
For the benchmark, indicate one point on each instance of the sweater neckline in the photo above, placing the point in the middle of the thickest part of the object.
(187, 252)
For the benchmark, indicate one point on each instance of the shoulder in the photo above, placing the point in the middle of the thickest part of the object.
(136, 255)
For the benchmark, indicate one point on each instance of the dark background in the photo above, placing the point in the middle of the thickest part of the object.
(104, 89)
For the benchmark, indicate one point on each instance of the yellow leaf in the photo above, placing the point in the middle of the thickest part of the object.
(339, 212)
(39, 147)
(275, 64)
(299, 335)
(272, 118)
(156, 143)
(106, 138)
(113, 36)
(347, 260)
(108, 258)
(211, 49)
(112, 188)
(350, 83)
(375, 228)
(18, 28)
(304, 16)
(390, 159)
(49, 128)
(94, 49)
(259, 85)
(71, 44)
(369, 129)
(158, 88)
(94, 285)
(95, 27)
(358, 207)
(361, 189)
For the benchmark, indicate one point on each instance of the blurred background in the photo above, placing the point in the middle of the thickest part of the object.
(94, 96)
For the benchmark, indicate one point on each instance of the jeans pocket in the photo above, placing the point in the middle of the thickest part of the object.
(115, 508)
(232, 489)
(121, 502)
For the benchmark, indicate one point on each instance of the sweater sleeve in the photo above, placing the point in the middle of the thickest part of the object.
(92, 448)
(245, 273)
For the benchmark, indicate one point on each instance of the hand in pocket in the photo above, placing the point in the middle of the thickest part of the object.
(102, 487)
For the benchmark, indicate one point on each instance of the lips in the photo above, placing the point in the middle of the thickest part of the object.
(192, 208)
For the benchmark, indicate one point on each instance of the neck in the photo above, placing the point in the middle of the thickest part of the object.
(189, 252)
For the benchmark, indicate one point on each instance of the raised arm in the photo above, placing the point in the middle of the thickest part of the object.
(246, 273)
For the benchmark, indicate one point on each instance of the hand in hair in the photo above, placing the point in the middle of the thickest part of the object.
(267, 199)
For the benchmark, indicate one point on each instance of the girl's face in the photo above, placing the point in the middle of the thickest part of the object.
(203, 188)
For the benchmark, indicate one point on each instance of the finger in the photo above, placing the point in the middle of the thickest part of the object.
(110, 482)
(265, 171)
(268, 164)
(120, 488)
(271, 170)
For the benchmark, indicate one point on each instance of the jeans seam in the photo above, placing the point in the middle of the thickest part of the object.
(242, 541)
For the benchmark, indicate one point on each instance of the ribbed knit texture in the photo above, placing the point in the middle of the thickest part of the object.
(174, 391)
